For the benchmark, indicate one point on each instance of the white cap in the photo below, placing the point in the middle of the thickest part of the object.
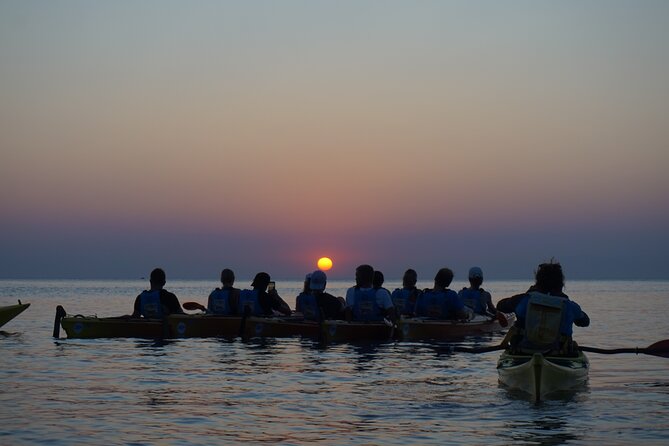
(318, 280)
(475, 272)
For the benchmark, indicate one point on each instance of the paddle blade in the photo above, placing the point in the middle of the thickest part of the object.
(194, 306)
(660, 348)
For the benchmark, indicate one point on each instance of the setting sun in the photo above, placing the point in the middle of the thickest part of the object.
(324, 263)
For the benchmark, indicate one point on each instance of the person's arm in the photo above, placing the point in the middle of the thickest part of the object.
(350, 297)
(171, 302)
(137, 311)
(488, 303)
(209, 301)
(279, 304)
(582, 319)
(509, 304)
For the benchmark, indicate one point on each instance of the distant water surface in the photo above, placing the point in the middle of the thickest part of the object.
(293, 391)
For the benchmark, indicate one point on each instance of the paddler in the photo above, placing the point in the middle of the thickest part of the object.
(263, 299)
(476, 298)
(404, 299)
(156, 303)
(544, 314)
(224, 300)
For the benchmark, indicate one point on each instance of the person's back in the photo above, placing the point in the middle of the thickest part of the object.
(365, 303)
(440, 302)
(404, 299)
(224, 300)
(156, 302)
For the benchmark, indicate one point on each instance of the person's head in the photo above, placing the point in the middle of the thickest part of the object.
(475, 276)
(318, 281)
(549, 277)
(260, 281)
(307, 280)
(410, 278)
(364, 276)
(227, 277)
(443, 278)
(378, 279)
(157, 279)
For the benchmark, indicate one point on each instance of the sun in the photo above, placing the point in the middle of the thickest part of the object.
(324, 263)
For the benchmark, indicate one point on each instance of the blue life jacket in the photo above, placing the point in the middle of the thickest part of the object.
(309, 306)
(473, 299)
(402, 302)
(219, 302)
(365, 307)
(249, 299)
(150, 305)
(438, 304)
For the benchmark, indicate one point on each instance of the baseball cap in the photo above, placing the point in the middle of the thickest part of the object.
(261, 279)
(475, 272)
(318, 280)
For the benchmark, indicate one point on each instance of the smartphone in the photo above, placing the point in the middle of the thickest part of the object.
(271, 286)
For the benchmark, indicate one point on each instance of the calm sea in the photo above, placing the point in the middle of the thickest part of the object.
(292, 391)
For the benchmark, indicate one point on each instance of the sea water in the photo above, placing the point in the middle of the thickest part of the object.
(294, 391)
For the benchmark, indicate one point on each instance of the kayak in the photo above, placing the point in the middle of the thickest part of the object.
(334, 331)
(281, 327)
(423, 329)
(539, 375)
(11, 311)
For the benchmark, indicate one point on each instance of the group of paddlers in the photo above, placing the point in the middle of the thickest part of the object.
(545, 314)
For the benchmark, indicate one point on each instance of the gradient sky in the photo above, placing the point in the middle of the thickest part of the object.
(261, 135)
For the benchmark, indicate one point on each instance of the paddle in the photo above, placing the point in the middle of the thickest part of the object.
(191, 306)
(660, 348)
(60, 313)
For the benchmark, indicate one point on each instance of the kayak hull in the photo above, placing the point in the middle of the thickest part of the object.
(10, 312)
(540, 376)
(423, 329)
(335, 331)
(281, 327)
(90, 327)
(204, 325)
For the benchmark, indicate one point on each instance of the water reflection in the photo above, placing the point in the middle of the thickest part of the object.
(545, 430)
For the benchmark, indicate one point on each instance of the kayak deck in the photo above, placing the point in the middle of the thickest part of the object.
(539, 375)
(424, 329)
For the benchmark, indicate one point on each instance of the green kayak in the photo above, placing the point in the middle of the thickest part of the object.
(11, 311)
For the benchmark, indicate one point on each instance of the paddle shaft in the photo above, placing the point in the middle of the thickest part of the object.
(660, 348)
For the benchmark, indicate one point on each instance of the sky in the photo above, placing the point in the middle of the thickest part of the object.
(262, 135)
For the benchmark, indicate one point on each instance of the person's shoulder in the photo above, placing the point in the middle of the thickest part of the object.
(168, 294)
